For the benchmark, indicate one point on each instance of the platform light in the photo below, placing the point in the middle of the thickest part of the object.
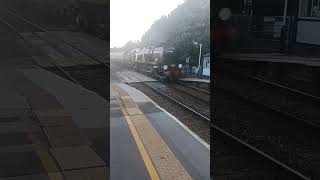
(165, 67)
(195, 43)
(200, 48)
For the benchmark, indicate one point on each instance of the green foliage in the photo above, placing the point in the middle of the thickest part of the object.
(189, 22)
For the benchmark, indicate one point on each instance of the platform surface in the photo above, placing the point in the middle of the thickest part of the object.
(175, 151)
(195, 80)
(273, 57)
(133, 77)
(66, 48)
(50, 128)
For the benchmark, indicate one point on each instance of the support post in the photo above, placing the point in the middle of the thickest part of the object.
(285, 12)
(199, 63)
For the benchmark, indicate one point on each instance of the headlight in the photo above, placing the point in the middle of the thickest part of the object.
(155, 67)
(180, 66)
(165, 67)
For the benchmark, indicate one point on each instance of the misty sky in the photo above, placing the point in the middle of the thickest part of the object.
(130, 19)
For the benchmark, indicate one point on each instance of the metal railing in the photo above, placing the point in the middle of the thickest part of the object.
(265, 32)
(269, 27)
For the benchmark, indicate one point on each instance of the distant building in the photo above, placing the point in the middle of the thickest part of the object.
(206, 65)
(308, 23)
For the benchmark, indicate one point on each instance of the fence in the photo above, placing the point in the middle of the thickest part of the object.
(264, 32)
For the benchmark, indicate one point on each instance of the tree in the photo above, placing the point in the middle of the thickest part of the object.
(131, 45)
(189, 22)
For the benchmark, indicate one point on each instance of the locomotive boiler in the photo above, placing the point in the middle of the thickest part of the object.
(158, 62)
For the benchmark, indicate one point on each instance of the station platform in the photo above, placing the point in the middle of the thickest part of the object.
(272, 57)
(198, 80)
(50, 128)
(133, 77)
(65, 48)
(149, 143)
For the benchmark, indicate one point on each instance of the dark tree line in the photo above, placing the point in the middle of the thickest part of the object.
(189, 22)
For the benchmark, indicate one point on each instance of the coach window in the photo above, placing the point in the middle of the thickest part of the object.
(310, 8)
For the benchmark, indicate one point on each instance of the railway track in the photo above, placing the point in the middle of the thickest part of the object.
(300, 104)
(19, 27)
(192, 102)
(94, 77)
(203, 87)
(195, 88)
(245, 159)
(270, 119)
(290, 142)
(231, 160)
(192, 91)
(196, 121)
(294, 104)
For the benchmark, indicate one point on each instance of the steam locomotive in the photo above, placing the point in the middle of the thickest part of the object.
(157, 62)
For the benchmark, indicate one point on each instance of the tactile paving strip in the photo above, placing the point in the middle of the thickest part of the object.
(168, 167)
(165, 161)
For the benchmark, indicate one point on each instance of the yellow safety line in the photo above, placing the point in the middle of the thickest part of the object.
(145, 156)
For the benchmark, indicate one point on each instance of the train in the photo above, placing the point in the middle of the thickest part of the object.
(158, 62)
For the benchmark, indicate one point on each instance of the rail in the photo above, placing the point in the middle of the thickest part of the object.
(99, 60)
(178, 102)
(195, 88)
(238, 140)
(45, 54)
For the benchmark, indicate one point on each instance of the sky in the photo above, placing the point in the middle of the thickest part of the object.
(130, 19)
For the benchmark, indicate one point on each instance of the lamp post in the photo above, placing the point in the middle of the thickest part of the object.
(200, 47)
(285, 12)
